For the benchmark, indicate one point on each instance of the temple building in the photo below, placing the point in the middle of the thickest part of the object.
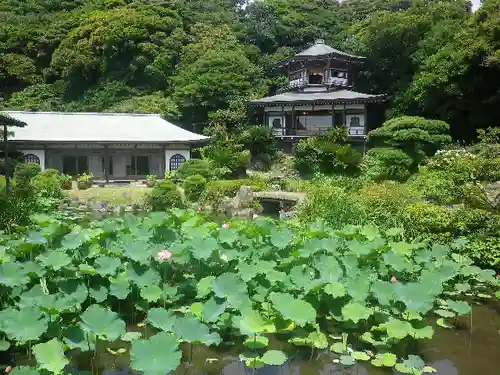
(320, 95)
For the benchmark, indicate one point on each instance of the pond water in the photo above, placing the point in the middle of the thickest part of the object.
(472, 349)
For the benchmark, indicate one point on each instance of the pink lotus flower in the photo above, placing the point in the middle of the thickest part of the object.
(226, 225)
(394, 279)
(8, 369)
(164, 255)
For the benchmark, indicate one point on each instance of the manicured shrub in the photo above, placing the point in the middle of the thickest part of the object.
(26, 171)
(193, 167)
(423, 219)
(52, 172)
(66, 181)
(164, 196)
(48, 185)
(194, 187)
(215, 191)
(383, 163)
(151, 180)
(84, 181)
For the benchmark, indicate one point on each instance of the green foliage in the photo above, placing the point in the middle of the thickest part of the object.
(216, 190)
(84, 181)
(66, 181)
(191, 167)
(194, 186)
(26, 171)
(417, 136)
(381, 163)
(62, 282)
(164, 196)
(329, 154)
(260, 142)
(48, 184)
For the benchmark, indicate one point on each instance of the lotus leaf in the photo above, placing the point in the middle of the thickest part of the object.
(397, 329)
(157, 356)
(99, 293)
(300, 311)
(347, 360)
(276, 276)
(203, 247)
(417, 297)
(247, 271)
(75, 337)
(119, 286)
(355, 311)
(161, 319)
(360, 356)
(4, 345)
(256, 342)
(442, 323)
(144, 275)
(190, 329)
(230, 286)
(384, 360)
(12, 274)
(131, 336)
(204, 286)
(74, 289)
(24, 370)
(281, 238)
(74, 239)
(212, 310)
(336, 290)
(54, 259)
(86, 269)
(318, 340)
(411, 365)
(252, 323)
(102, 322)
(228, 235)
(50, 356)
(33, 268)
(384, 292)
(105, 265)
(34, 324)
(252, 360)
(338, 347)
(460, 307)
(197, 309)
(151, 293)
(329, 269)
(274, 358)
(311, 247)
(423, 333)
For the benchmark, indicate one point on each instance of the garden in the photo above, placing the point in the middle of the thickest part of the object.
(389, 252)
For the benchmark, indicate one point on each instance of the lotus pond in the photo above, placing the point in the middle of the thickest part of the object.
(176, 292)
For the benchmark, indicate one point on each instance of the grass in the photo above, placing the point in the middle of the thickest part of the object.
(113, 195)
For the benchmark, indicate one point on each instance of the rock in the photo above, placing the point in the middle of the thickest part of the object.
(246, 213)
(244, 197)
(275, 187)
(287, 215)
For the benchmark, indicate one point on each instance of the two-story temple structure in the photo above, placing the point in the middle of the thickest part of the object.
(321, 95)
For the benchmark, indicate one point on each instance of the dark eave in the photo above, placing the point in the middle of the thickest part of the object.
(7, 120)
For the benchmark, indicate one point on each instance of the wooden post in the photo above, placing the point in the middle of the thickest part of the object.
(6, 159)
(294, 121)
(333, 115)
(164, 161)
(106, 163)
(283, 120)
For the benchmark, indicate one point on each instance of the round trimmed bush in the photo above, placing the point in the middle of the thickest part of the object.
(384, 163)
(194, 167)
(164, 196)
(194, 186)
(48, 185)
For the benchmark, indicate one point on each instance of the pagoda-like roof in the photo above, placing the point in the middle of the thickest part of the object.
(339, 96)
(321, 50)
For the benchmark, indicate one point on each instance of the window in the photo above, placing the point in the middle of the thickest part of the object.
(176, 161)
(74, 165)
(110, 166)
(137, 165)
(31, 158)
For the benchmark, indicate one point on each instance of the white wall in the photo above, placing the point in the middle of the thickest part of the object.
(39, 153)
(169, 153)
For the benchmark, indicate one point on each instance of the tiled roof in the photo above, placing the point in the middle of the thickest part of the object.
(319, 48)
(98, 127)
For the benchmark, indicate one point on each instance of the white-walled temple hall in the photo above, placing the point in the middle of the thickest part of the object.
(320, 95)
(111, 146)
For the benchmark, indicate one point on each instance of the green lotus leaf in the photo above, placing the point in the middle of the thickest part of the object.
(460, 307)
(143, 275)
(411, 365)
(105, 265)
(397, 262)
(417, 297)
(338, 347)
(300, 311)
(197, 309)
(54, 259)
(497, 294)
(384, 360)
(423, 333)
(131, 336)
(119, 286)
(12, 274)
(138, 250)
(4, 345)
(233, 288)
(303, 278)
(247, 271)
(157, 356)
(443, 323)
(256, 342)
(228, 235)
(383, 291)
(276, 276)
(486, 276)
(76, 337)
(161, 319)
(151, 293)
(355, 311)
(274, 358)
(102, 322)
(24, 370)
(34, 324)
(86, 269)
(33, 269)
(99, 293)
(281, 238)
(190, 329)
(50, 356)
(73, 289)
(212, 310)
(360, 356)
(169, 293)
(203, 247)
(347, 360)
(397, 329)
(251, 323)
(329, 269)
(336, 290)
(311, 247)
(204, 286)
(318, 340)
(252, 360)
